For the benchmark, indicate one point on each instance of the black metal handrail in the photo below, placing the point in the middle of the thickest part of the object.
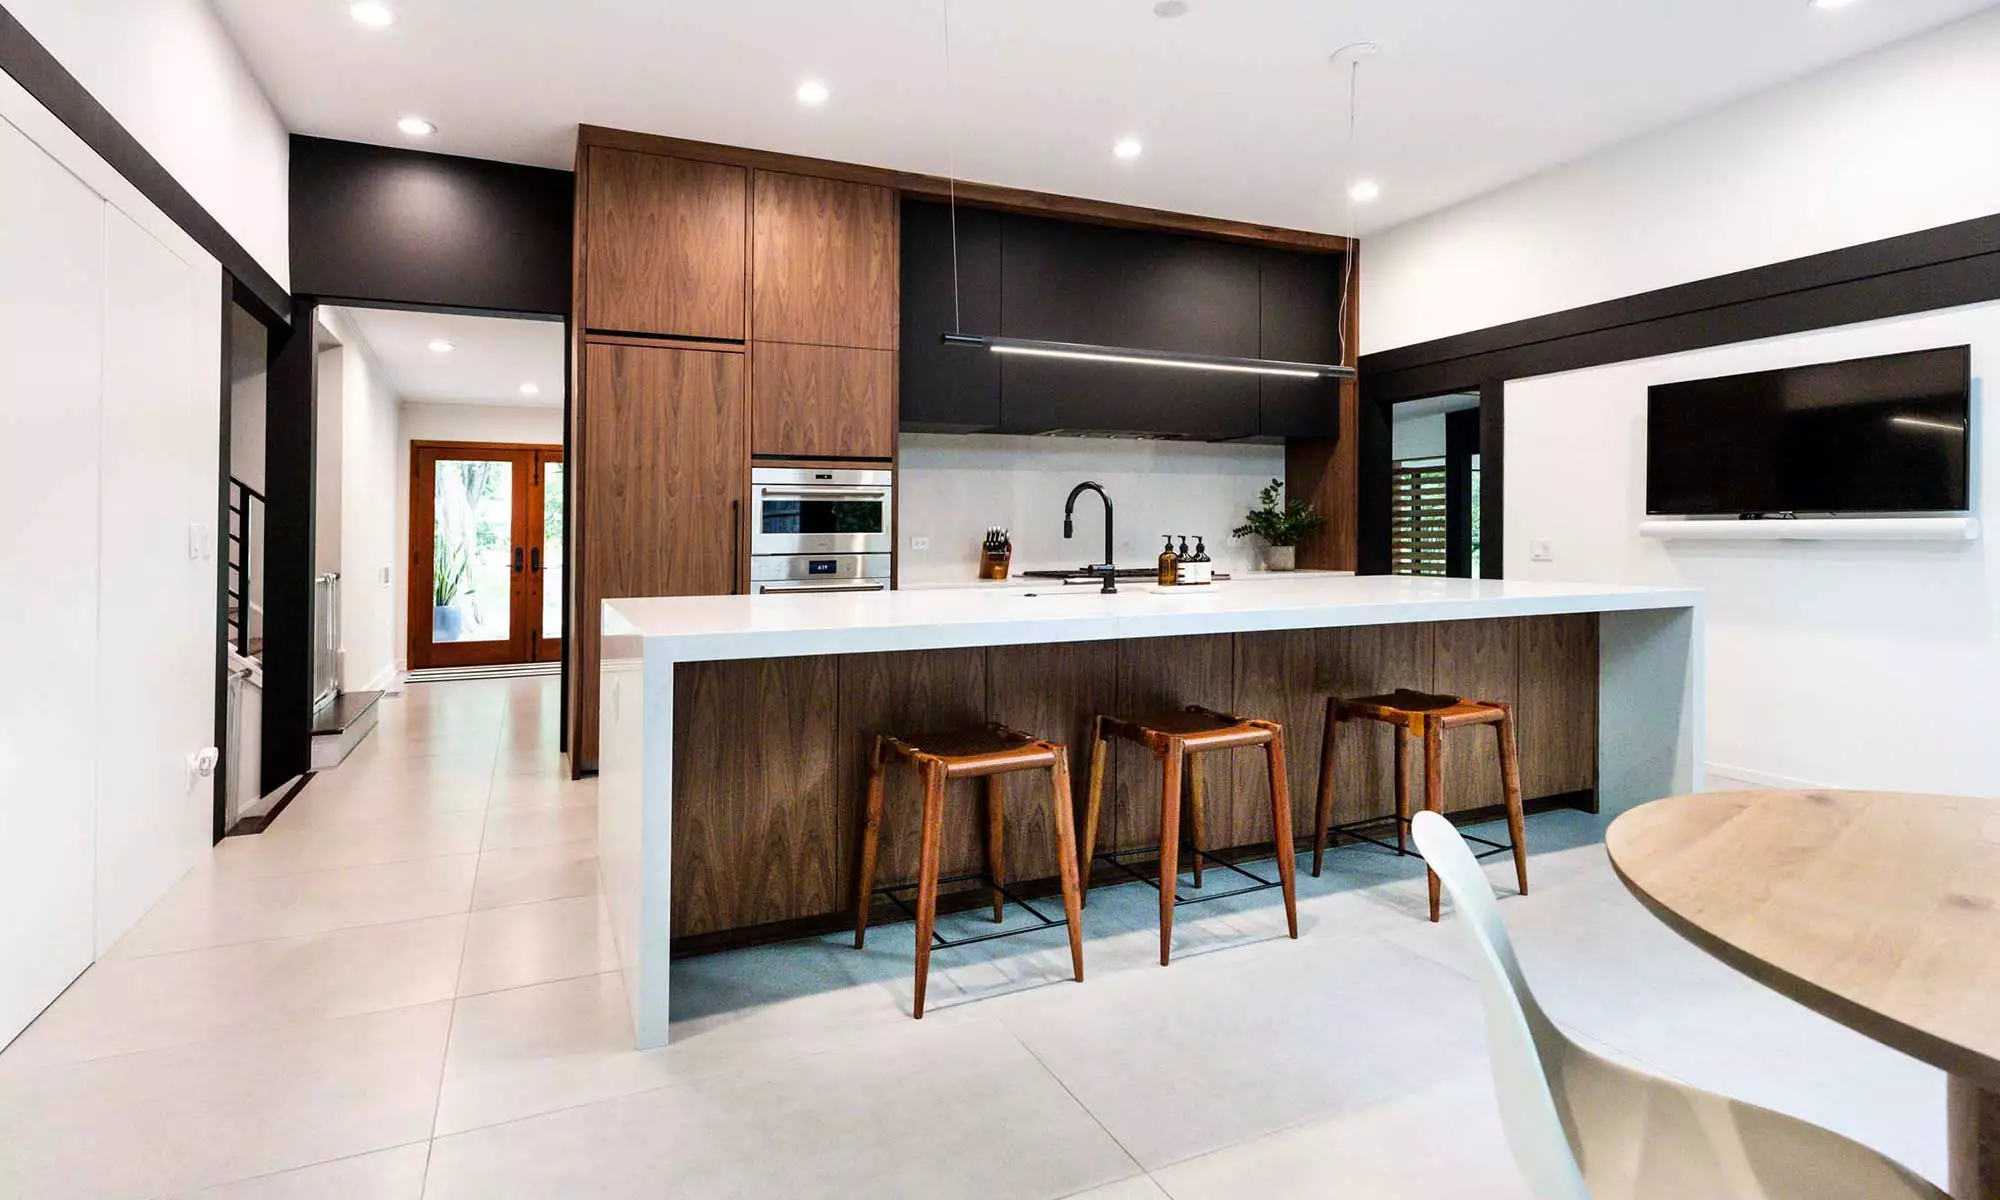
(246, 508)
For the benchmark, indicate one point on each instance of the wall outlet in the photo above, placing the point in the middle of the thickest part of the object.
(201, 541)
(1541, 550)
(385, 574)
(920, 543)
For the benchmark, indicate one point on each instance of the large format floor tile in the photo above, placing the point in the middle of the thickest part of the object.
(212, 909)
(948, 1110)
(525, 944)
(530, 873)
(142, 1125)
(131, 1004)
(396, 1174)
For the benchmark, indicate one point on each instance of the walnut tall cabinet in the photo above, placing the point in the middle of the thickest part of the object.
(725, 311)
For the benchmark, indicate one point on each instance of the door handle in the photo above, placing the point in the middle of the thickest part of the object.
(517, 560)
(535, 560)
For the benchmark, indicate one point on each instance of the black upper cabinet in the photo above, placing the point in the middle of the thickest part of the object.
(948, 389)
(1070, 282)
(1299, 305)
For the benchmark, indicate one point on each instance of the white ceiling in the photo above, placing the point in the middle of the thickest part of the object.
(1238, 109)
(491, 357)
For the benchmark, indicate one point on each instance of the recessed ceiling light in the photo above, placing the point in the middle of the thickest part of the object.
(531, 389)
(416, 127)
(1832, 4)
(1364, 191)
(440, 346)
(1127, 148)
(812, 91)
(1170, 9)
(372, 13)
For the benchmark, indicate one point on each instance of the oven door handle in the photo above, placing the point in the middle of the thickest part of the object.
(784, 589)
(772, 493)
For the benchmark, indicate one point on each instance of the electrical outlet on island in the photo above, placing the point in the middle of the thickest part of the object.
(920, 544)
(1541, 550)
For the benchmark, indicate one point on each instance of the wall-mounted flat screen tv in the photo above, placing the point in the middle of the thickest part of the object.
(1872, 435)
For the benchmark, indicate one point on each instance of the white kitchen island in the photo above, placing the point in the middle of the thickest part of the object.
(776, 690)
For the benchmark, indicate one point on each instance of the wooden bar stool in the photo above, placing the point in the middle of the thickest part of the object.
(1176, 738)
(1419, 716)
(988, 752)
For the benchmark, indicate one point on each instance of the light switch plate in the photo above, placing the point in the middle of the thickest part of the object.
(1541, 550)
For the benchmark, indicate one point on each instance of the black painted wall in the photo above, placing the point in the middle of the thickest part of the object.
(404, 227)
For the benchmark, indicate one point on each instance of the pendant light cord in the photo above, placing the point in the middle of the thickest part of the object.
(1347, 284)
(951, 165)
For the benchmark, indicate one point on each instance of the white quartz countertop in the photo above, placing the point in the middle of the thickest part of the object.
(702, 628)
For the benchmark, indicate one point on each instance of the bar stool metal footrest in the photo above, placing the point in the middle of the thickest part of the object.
(941, 942)
(1116, 858)
(1353, 829)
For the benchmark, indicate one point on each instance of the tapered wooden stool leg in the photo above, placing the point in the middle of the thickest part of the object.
(1170, 842)
(871, 840)
(1433, 789)
(1194, 813)
(996, 842)
(1403, 765)
(927, 875)
(1323, 810)
(1281, 825)
(1093, 803)
(1510, 785)
(1072, 891)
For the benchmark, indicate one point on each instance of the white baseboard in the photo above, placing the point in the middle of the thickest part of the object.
(1720, 775)
(388, 679)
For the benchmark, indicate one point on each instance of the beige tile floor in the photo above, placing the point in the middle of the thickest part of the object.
(406, 988)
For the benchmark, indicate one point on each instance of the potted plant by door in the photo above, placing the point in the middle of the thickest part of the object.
(447, 580)
(1281, 529)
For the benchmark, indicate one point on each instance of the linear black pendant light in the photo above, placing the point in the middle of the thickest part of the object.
(1127, 355)
(1136, 356)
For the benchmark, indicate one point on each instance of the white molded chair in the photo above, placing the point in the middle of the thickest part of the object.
(1585, 1128)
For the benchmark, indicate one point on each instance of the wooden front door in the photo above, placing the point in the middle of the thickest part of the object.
(486, 582)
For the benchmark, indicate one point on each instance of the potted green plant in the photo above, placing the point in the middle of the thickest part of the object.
(448, 565)
(1280, 528)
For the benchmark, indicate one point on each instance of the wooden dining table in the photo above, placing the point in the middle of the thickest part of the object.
(1880, 910)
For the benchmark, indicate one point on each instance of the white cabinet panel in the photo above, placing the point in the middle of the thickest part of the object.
(156, 666)
(51, 291)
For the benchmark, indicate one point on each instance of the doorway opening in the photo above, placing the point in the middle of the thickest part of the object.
(1435, 482)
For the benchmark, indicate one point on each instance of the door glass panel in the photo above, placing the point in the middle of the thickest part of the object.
(552, 549)
(473, 549)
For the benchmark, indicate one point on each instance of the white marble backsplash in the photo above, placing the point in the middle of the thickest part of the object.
(955, 485)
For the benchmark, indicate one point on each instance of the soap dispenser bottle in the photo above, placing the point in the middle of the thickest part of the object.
(1204, 568)
(1170, 567)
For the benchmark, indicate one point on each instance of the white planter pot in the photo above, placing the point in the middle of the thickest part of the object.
(1281, 558)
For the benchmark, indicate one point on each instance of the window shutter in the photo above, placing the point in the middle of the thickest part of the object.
(1417, 517)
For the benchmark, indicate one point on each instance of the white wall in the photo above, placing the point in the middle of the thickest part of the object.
(1840, 664)
(1890, 143)
(110, 375)
(169, 73)
(330, 400)
(953, 486)
(369, 460)
(1417, 437)
(519, 424)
